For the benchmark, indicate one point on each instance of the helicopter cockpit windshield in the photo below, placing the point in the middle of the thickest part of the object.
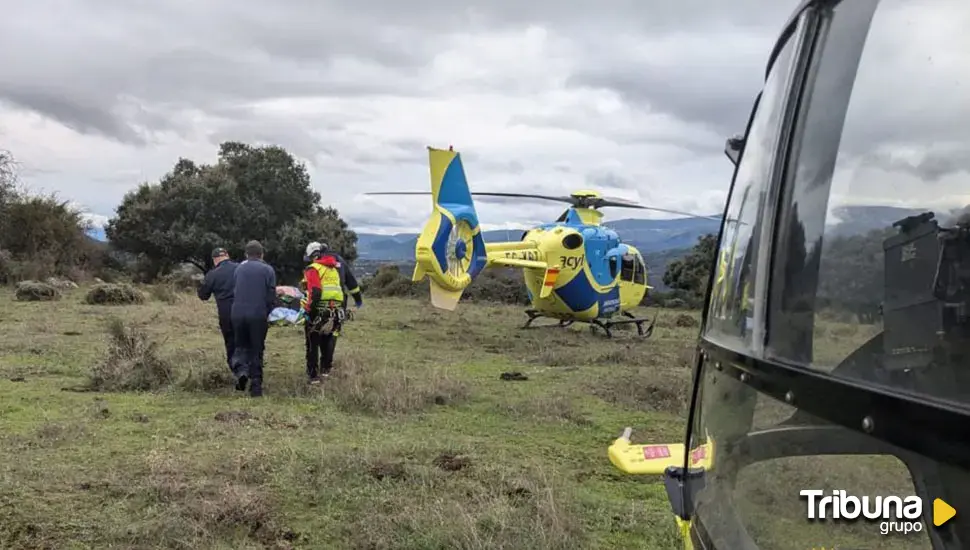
(835, 354)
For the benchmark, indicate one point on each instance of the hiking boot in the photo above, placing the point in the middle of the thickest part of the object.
(241, 382)
(315, 380)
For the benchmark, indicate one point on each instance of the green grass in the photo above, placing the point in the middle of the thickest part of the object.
(119, 428)
(415, 442)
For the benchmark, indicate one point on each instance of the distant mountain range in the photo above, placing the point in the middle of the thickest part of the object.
(646, 235)
(660, 241)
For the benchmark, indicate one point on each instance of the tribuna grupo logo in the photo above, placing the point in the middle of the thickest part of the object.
(895, 514)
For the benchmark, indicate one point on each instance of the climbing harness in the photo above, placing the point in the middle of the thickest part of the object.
(329, 319)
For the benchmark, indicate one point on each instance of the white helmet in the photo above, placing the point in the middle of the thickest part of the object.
(313, 248)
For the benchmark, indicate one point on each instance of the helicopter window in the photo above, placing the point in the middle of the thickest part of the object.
(632, 269)
(732, 294)
(864, 266)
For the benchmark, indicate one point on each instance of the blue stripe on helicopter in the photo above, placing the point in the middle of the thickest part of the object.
(454, 185)
(440, 244)
(609, 302)
(479, 257)
(577, 294)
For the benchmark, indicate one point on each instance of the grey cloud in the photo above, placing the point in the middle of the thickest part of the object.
(133, 70)
(933, 167)
(722, 103)
(610, 180)
(79, 116)
(205, 55)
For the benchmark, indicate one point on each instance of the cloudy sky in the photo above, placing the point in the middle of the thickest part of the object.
(97, 96)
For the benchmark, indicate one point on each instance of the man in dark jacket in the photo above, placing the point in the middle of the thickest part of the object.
(218, 282)
(325, 306)
(253, 296)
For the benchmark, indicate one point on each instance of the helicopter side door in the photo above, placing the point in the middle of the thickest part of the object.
(633, 280)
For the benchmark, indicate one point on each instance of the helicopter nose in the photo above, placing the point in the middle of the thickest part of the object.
(461, 250)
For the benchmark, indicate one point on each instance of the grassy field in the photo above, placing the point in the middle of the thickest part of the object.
(119, 429)
(416, 442)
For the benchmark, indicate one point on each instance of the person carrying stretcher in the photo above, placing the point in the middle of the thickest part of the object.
(325, 306)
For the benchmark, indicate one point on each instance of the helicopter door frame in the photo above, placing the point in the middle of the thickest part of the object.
(637, 273)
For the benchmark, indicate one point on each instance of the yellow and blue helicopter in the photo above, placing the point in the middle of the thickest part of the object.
(575, 269)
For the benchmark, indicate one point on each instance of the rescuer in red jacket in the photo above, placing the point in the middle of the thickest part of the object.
(325, 306)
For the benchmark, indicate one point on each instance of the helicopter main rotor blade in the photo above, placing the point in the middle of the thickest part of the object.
(569, 200)
(665, 210)
(575, 201)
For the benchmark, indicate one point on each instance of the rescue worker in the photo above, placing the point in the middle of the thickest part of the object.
(218, 282)
(253, 297)
(325, 306)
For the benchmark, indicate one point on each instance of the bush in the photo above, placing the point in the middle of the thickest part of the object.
(389, 282)
(34, 291)
(504, 286)
(165, 293)
(685, 321)
(183, 280)
(132, 362)
(44, 237)
(114, 294)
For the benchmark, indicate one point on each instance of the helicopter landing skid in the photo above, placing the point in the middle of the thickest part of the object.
(535, 314)
(605, 324)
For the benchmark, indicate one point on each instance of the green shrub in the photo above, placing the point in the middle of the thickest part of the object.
(114, 294)
(132, 363)
(35, 291)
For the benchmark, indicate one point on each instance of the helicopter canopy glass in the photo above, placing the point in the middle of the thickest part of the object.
(831, 273)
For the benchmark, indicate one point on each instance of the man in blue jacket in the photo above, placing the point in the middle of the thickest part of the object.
(253, 296)
(219, 282)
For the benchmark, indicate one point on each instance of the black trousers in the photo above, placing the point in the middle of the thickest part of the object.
(228, 337)
(319, 351)
(250, 335)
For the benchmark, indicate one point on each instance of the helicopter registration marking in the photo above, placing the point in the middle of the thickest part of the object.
(530, 255)
(572, 262)
(651, 452)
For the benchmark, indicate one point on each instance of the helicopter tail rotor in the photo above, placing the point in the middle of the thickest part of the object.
(450, 249)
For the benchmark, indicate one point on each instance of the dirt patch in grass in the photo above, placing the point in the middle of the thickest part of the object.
(451, 462)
